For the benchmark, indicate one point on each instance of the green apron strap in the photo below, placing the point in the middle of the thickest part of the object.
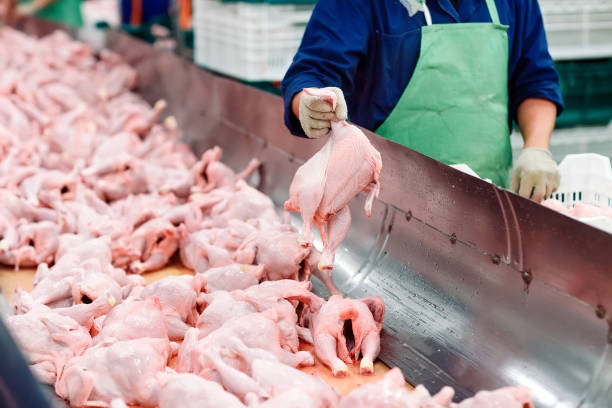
(493, 11)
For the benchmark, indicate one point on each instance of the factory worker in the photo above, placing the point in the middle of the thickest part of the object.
(443, 77)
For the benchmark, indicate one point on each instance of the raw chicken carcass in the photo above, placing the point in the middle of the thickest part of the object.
(82, 272)
(323, 186)
(242, 203)
(220, 307)
(133, 319)
(125, 369)
(327, 326)
(507, 397)
(210, 173)
(278, 251)
(49, 340)
(295, 397)
(199, 252)
(191, 391)
(37, 243)
(283, 297)
(257, 330)
(392, 391)
(155, 241)
(279, 379)
(232, 277)
(179, 297)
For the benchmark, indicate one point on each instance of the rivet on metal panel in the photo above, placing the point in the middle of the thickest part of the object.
(408, 215)
(453, 238)
(496, 259)
(600, 311)
(291, 159)
(527, 278)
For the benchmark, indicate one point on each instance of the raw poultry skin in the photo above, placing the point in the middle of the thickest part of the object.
(133, 319)
(49, 340)
(124, 369)
(190, 391)
(327, 326)
(179, 297)
(94, 183)
(323, 186)
(391, 392)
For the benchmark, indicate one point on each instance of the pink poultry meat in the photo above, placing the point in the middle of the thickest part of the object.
(37, 243)
(392, 391)
(279, 378)
(292, 398)
(133, 319)
(179, 296)
(210, 173)
(242, 203)
(85, 314)
(232, 277)
(279, 251)
(191, 391)
(323, 186)
(257, 330)
(125, 369)
(49, 340)
(155, 242)
(81, 274)
(199, 250)
(327, 326)
(221, 307)
(507, 397)
(283, 297)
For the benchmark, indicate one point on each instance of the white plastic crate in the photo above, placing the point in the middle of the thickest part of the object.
(578, 29)
(586, 178)
(253, 42)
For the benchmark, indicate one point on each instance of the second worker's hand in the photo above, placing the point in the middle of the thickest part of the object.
(535, 174)
(316, 115)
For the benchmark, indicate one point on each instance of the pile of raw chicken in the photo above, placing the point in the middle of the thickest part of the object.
(96, 189)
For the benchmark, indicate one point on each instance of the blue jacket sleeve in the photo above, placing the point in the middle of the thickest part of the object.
(334, 42)
(534, 74)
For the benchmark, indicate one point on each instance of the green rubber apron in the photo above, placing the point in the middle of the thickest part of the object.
(455, 107)
(62, 11)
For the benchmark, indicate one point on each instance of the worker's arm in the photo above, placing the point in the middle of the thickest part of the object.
(334, 43)
(535, 101)
(535, 174)
(536, 120)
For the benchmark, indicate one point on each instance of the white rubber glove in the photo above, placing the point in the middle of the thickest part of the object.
(316, 115)
(535, 174)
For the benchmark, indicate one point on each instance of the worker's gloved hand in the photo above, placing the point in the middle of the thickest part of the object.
(316, 115)
(535, 174)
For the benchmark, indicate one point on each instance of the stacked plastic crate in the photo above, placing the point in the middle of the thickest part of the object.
(578, 29)
(579, 36)
(250, 40)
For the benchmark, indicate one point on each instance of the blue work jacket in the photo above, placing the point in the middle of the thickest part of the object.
(369, 49)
